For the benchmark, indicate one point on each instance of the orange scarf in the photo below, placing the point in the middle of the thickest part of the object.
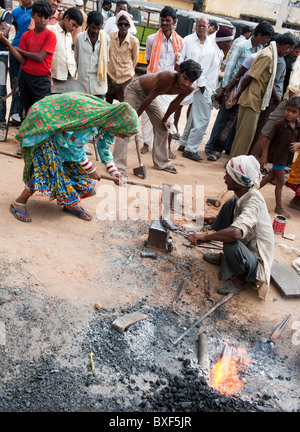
(156, 49)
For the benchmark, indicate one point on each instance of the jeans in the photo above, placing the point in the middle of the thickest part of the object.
(14, 72)
(3, 89)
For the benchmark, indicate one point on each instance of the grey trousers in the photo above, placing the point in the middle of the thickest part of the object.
(135, 95)
(237, 258)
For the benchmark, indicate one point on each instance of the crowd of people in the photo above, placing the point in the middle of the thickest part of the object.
(96, 53)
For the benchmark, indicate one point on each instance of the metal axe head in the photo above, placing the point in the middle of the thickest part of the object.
(140, 171)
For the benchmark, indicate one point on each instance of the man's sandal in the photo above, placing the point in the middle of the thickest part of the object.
(15, 211)
(170, 169)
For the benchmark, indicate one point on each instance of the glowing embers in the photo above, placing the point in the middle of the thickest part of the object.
(224, 375)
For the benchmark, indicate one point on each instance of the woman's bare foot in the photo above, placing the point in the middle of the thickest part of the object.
(295, 203)
(145, 149)
(171, 155)
(280, 211)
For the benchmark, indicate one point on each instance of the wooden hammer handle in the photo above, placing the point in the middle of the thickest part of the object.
(105, 177)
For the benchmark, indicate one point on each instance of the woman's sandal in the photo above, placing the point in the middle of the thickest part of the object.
(78, 213)
(15, 210)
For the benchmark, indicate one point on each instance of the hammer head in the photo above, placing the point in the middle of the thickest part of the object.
(140, 171)
(214, 201)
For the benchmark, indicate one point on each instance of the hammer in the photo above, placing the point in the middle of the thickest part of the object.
(141, 170)
(216, 201)
(115, 179)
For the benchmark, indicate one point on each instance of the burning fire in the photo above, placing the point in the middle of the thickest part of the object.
(224, 374)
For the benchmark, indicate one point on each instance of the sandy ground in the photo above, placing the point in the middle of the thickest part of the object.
(65, 258)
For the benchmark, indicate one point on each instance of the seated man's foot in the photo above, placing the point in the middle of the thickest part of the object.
(213, 258)
(20, 212)
(145, 149)
(233, 286)
(77, 211)
(282, 212)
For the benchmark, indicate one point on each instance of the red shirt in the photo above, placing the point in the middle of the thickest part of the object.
(36, 42)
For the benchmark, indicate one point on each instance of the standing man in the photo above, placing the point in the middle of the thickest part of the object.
(91, 55)
(123, 57)
(255, 91)
(111, 24)
(262, 35)
(5, 25)
(56, 14)
(106, 10)
(81, 28)
(162, 49)
(209, 55)
(63, 62)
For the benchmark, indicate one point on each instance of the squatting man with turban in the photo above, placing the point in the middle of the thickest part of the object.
(244, 226)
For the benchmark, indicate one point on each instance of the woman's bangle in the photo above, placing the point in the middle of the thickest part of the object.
(112, 169)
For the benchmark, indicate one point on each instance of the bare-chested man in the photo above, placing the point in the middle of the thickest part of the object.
(141, 95)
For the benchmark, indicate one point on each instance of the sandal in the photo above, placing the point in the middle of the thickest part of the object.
(78, 213)
(192, 155)
(181, 148)
(170, 169)
(177, 136)
(15, 210)
(214, 156)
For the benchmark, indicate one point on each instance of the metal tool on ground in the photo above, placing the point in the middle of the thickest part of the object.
(121, 324)
(11, 154)
(203, 356)
(277, 332)
(223, 300)
(145, 254)
(169, 198)
(141, 170)
(158, 236)
(216, 201)
(178, 292)
(207, 297)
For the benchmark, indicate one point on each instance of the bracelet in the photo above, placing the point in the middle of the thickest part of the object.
(112, 169)
(88, 166)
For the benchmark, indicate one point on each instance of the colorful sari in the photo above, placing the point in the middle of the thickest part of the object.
(293, 180)
(53, 136)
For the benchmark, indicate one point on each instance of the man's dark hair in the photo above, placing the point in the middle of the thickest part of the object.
(94, 17)
(122, 2)
(264, 28)
(43, 7)
(246, 29)
(168, 11)
(214, 23)
(74, 14)
(191, 68)
(286, 39)
(106, 2)
(294, 101)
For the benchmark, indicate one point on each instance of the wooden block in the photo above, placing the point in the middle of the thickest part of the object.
(286, 279)
(121, 324)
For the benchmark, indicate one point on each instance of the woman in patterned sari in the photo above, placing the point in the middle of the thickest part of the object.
(52, 139)
(293, 180)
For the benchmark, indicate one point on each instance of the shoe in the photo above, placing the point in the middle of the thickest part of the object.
(176, 136)
(15, 212)
(214, 156)
(79, 213)
(213, 258)
(181, 148)
(170, 169)
(192, 155)
(228, 287)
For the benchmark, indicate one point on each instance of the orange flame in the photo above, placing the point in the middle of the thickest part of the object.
(224, 374)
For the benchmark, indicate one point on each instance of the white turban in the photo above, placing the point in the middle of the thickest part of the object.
(124, 14)
(245, 170)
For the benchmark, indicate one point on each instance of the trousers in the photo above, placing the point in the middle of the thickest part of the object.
(237, 258)
(197, 121)
(134, 95)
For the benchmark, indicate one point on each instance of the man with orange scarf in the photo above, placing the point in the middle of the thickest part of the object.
(162, 49)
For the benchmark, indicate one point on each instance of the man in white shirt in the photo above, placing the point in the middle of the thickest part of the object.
(111, 26)
(209, 55)
(63, 63)
(91, 55)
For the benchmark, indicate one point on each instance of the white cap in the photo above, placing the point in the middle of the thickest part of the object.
(79, 2)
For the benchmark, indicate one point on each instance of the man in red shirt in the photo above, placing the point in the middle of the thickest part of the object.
(35, 54)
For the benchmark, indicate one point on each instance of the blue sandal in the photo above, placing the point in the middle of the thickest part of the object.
(78, 213)
(15, 210)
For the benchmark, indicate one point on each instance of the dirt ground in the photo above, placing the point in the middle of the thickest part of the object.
(55, 269)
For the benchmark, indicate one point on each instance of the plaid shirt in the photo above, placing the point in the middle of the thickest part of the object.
(236, 59)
